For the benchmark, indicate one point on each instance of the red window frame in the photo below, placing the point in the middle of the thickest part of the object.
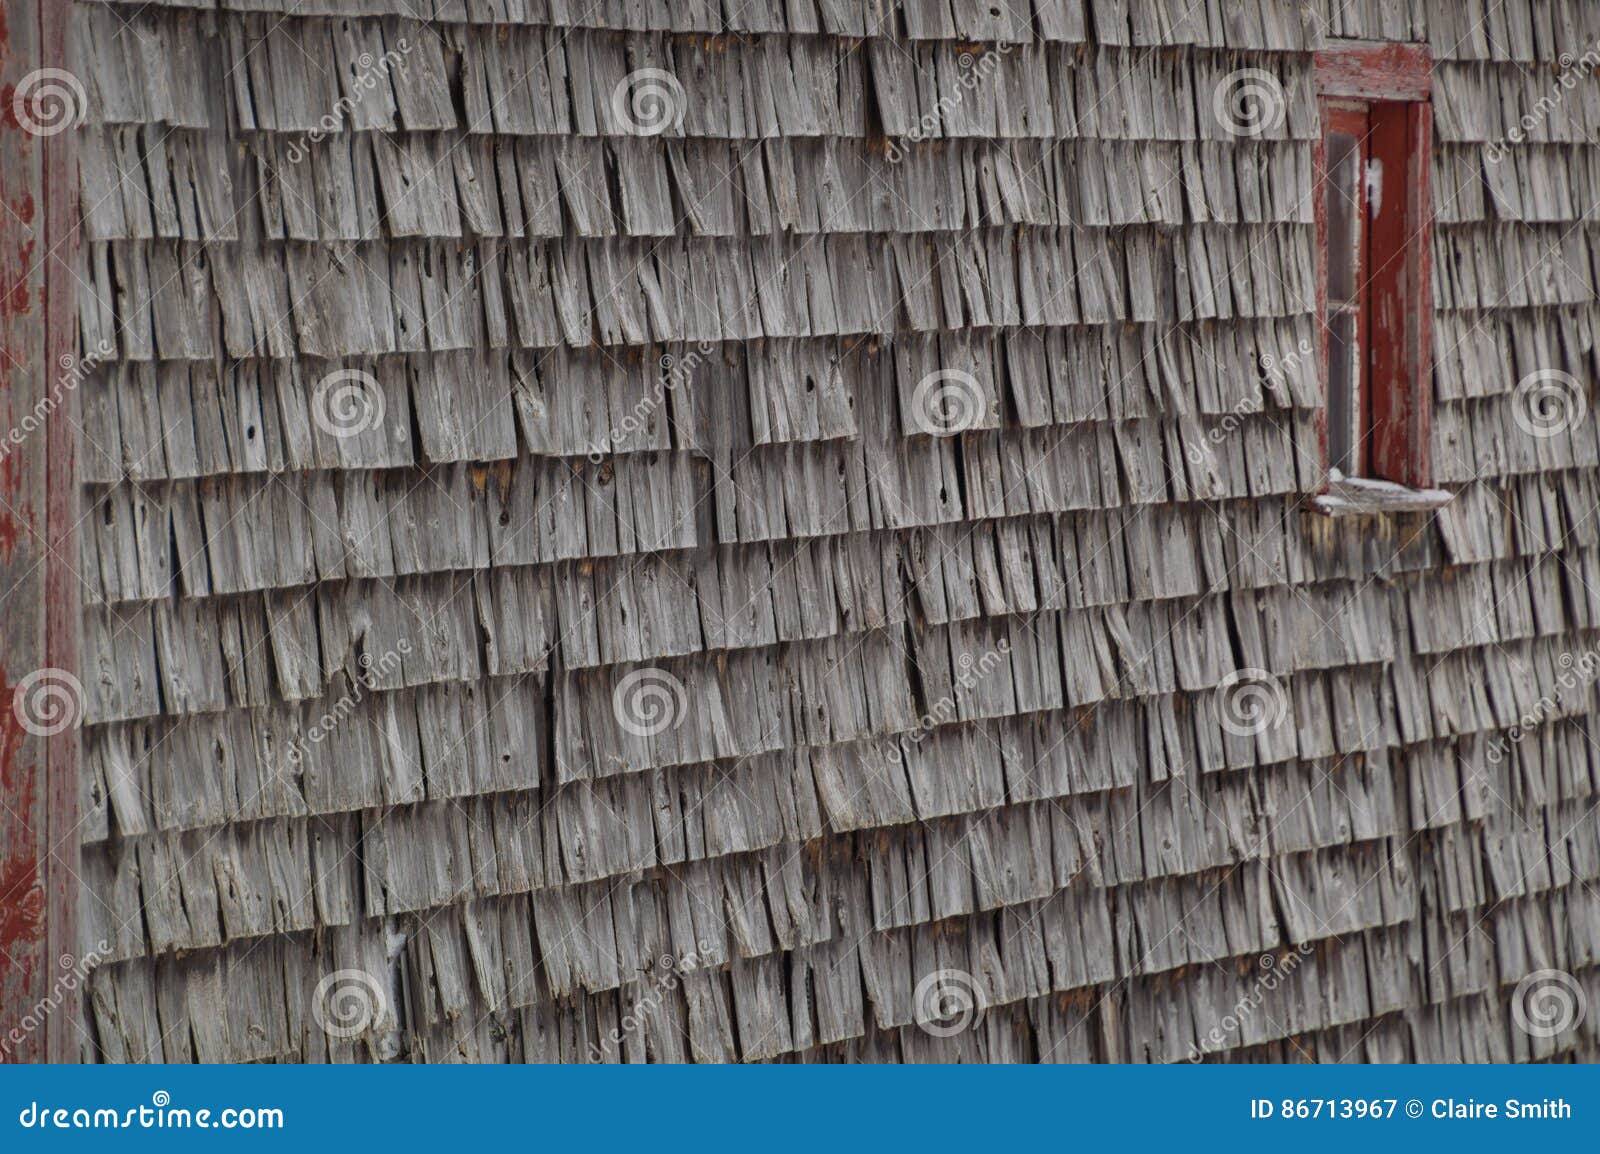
(1385, 90)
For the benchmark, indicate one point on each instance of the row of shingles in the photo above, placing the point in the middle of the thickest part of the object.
(1260, 24)
(197, 671)
(181, 420)
(628, 292)
(1474, 1028)
(540, 80)
(212, 774)
(1532, 32)
(451, 184)
(824, 586)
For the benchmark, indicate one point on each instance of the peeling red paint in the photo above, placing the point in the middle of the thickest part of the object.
(21, 905)
(11, 528)
(1374, 71)
(22, 896)
(17, 301)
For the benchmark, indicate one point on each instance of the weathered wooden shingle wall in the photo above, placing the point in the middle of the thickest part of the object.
(535, 614)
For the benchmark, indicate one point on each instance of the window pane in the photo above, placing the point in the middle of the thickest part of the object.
(1344, 390)
(1344, 216)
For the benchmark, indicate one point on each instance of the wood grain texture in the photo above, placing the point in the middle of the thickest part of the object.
(652, 415)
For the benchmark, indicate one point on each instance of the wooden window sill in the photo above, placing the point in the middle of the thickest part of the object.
(1360, 497)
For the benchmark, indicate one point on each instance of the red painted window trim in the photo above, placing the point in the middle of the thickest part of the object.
(1394, 81)
(1369, 71)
